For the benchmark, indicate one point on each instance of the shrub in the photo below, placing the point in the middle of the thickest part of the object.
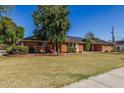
(19, 50)
(115, 49)
(8, 49)
(87, 45)
(72, 50)
(1, 46)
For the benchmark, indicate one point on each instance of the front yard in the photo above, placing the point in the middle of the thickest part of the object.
(55, 71)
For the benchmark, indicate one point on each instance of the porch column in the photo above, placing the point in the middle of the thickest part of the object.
(92, 47)
(77, 48)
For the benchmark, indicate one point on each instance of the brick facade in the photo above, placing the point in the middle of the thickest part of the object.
(102, 47)
(106, 48)
(64, 48)
(71, 44)
(37, 46)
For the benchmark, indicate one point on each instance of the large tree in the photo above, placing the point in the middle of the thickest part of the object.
(4, 9)
(52, 23)
(10, 33)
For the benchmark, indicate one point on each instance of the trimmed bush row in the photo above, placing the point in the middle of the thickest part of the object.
(18, 50)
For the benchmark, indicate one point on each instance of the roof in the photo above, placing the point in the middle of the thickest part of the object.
(99, 41)
(67, 39)
(73, 39)
(120, 42)
(30, 38)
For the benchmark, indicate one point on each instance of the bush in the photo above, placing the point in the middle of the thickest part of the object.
(115, 49)
(1, 46)
(72, 50)
(87, 46)
(8, 49)
(19, 50)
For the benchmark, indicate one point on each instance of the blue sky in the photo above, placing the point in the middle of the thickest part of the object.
(98, 19)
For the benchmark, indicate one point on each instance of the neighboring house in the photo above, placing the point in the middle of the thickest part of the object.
(71, 44)
(120, 45)
(100, 45)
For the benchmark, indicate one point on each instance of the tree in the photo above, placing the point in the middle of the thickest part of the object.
(10, 33)
(20, 32)
(87, 45)
(4, 9)
(88, 37)
(52, 23)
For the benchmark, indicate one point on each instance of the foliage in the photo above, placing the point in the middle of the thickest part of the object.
(20, 32)
(89, 35)
(10, 33)
(18, 50)
(115, 49)
(87, 45)
(88, 38)
(72, 50)
(4, 9)
(52, 23)
(1, 39)
(7, 48)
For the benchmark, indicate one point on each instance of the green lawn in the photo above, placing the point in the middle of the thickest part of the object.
(55, 71)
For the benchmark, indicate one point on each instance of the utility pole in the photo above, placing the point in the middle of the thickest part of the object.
(113, 35)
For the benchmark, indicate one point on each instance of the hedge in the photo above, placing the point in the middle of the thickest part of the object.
(19, 50)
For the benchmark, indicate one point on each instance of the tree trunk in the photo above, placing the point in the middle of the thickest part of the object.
(57, 48)
(46, 47)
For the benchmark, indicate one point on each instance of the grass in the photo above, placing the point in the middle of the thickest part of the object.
(55, 71)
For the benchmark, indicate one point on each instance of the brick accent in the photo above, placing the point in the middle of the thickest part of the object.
(106, 48)
(64, 48)
(101, 47)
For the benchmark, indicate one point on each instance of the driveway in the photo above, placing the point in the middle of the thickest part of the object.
(112, 79)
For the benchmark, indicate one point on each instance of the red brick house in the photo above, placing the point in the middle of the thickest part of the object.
(71, 44)
(101, 45)
(35, 45)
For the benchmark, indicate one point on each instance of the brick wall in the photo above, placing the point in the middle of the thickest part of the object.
(37, 46)
(107, 48)
(64, 48)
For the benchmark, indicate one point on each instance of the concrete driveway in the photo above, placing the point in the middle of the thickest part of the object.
(112, 79)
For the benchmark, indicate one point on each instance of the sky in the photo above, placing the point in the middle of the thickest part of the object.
(83, 18)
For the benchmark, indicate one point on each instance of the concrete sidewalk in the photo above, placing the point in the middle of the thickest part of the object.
(112, 79)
